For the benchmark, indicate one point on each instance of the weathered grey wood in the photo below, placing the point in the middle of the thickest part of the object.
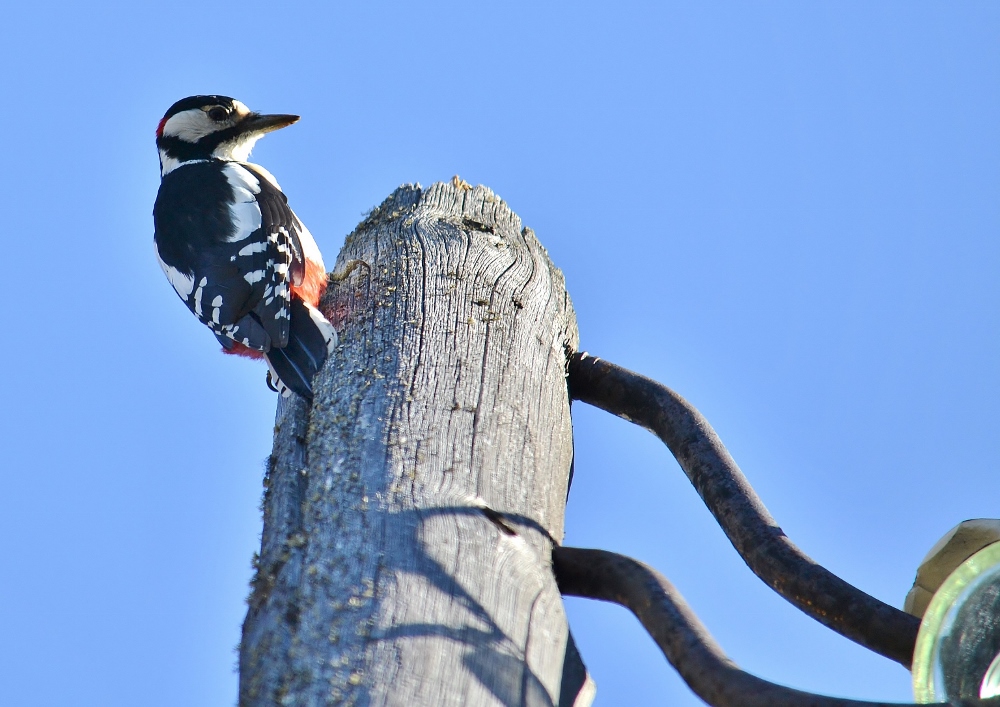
(409, 516)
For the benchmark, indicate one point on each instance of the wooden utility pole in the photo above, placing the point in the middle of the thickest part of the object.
(410, 514)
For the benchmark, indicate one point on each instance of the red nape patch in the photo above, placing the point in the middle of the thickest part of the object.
(241, 350)
(313, 284)
(159, 128)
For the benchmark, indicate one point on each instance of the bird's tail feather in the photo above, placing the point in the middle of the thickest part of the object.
(311, 338)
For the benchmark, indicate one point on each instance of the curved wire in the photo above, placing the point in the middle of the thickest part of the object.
(753, 532)
(684, 640)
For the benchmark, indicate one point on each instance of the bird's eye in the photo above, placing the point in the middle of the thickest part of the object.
(218, 114)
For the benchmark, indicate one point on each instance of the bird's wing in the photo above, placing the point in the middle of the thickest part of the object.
(277, 257)
(228, 242)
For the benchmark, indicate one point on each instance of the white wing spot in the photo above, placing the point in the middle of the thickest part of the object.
(244, 211)
(255, 276)
(256, 247)
(239, 176)
(197, 296)
(245, 217)
(182, 283)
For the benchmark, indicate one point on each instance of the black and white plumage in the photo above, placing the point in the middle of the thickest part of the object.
(234, 251)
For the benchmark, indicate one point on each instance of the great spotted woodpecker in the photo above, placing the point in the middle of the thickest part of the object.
(232, 248)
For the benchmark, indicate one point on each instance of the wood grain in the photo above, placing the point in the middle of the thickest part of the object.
(409, 516)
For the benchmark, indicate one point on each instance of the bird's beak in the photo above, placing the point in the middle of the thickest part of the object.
(257, 123)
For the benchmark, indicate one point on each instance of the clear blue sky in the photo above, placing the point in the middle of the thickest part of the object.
(786, 211)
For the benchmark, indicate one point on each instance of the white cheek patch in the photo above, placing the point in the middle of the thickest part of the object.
(189, 125)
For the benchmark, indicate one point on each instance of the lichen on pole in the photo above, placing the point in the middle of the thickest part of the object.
(410, 514)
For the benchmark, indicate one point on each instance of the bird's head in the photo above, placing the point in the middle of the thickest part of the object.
(212, 127)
